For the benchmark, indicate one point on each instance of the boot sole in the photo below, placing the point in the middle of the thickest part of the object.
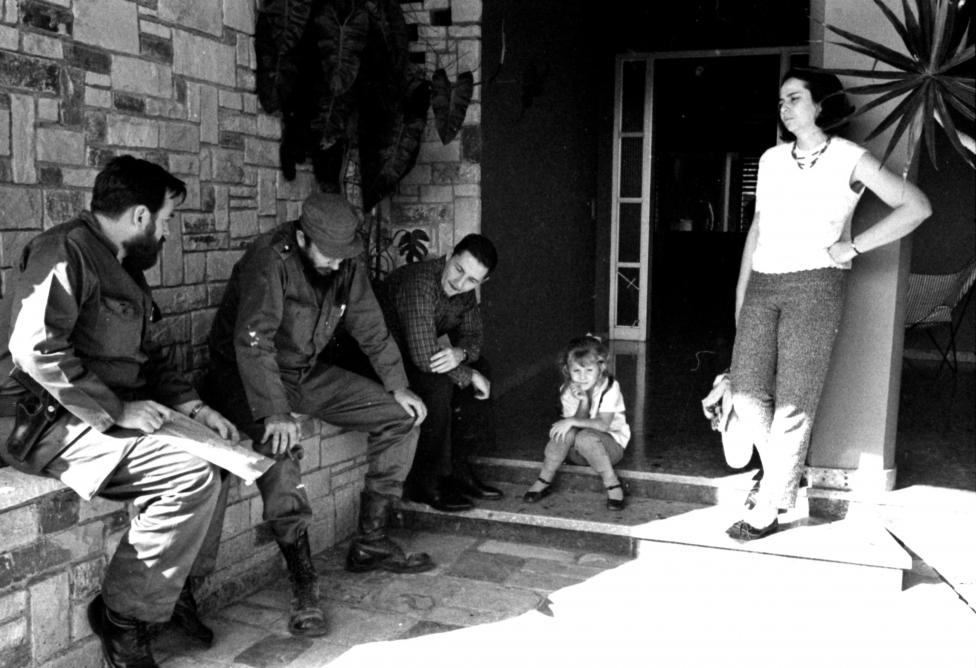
(308, 633)
(366, 567)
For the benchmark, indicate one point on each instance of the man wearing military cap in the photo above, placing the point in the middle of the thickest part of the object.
(285, 297)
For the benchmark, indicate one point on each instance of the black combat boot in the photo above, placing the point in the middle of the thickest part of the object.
(372, 549)
(125, 641)
(307, 618)
(186, 616)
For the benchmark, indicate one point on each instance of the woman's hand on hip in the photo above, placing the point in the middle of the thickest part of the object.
(842, 251)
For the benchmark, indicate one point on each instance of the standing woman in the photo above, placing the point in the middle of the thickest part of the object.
(790, 292)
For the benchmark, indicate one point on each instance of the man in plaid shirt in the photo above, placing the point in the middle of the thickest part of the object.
(423, 302)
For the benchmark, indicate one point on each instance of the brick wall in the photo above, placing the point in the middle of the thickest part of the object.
(173, 81)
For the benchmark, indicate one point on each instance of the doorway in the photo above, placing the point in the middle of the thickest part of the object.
(689, 128)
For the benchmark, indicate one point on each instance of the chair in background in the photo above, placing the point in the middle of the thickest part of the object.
(933, 300)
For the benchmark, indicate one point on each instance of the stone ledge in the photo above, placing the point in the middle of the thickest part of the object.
(18, 488)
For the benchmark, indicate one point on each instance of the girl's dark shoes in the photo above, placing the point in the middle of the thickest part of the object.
(533, 497)
(616, 504)
(743, 531)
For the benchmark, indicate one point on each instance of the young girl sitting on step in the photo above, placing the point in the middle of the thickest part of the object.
(593, 429)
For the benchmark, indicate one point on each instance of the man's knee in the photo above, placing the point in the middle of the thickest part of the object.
(198, 481)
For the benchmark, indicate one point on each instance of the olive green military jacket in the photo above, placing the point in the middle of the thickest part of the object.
(81, 326)
(277, 317)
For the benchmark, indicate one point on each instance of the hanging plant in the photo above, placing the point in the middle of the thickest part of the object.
(926, 78)
(450, 102)
(279, 30)
(389, 146)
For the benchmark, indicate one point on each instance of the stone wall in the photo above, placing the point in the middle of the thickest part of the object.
(56, 547)
(442, 195)
(173, 81)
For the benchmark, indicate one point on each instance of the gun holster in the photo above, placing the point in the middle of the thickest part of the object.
(33, 415)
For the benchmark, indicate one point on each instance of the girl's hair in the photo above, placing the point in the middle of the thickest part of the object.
(827, 91)
(584, 350)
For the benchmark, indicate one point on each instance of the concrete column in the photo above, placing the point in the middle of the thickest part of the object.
(853, 443)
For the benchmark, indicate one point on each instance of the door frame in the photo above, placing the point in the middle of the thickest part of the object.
(639, 331)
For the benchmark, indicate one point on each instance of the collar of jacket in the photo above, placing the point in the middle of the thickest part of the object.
(89, 219)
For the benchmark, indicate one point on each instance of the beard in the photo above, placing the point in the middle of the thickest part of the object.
(142, 252)
(321, 276)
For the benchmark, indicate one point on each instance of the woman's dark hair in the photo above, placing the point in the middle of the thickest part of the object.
(127, 181)
(481, 249)
(825, 90)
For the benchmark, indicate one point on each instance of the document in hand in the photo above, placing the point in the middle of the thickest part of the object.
(195, 438)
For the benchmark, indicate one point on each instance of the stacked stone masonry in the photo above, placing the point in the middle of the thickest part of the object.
(56, 547)
(173, 81)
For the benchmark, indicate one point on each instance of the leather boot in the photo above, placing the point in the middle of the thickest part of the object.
(467, 483)
(186, 616)
(372, 549)
(307, 617)
(125, 641)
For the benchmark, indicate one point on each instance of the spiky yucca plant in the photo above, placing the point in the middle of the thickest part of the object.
(926, 78)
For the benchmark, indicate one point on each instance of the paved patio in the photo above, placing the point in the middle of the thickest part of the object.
(495, 603)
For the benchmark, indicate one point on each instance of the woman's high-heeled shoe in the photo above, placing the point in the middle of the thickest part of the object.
(616, 504)
(533, 497)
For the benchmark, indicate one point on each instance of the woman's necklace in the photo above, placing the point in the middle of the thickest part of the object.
(808, 159)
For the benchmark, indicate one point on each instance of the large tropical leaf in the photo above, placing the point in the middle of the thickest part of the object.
(926, 78)
(388, 42)
(389, 146)
(450, 103)
(278, 32)
(339, 30)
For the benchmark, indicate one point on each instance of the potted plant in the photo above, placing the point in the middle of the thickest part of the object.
(930, 78)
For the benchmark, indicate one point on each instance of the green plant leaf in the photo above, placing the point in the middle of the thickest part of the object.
(872, 74)
(894, 115)
(953, 133)
(878, 89)
(413, 245)
(925, 23)
(883, 99)
(931, 93)
(961, 106)
(958, 59)
(944, 23)
(278, 31)
(450, 103)
(928, 32)
(907, 38)
(877, 51)
(904, 113)
(959, 89)
(340, 41)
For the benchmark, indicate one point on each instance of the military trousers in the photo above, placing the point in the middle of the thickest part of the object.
(172, 495)
(341, 398)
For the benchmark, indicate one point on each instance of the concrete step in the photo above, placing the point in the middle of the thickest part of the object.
(731, 489)
(686, 525)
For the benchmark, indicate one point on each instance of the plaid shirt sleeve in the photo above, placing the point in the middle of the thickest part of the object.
(416, 310)
(470, 332)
